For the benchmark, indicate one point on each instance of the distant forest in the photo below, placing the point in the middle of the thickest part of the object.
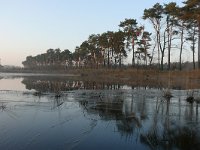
(173, 28)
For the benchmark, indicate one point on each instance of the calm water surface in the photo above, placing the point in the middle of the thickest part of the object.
(89, 115)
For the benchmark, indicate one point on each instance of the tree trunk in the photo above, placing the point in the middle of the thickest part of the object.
(133, 58)
(145, 59)
(162, 50)
(108, 62)
(181, 48)
(199, 46)
(162, 57)
(120, 59)
(193, 49)
(104, 59)
(193, 57)
(169, 41)
(169, 49)
(158, 44)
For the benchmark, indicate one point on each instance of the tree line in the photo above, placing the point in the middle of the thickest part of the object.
(174, 28)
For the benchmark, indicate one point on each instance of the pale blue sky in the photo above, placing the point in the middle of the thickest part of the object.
(30, 27)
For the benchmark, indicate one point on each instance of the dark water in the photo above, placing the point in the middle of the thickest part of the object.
(72, 114)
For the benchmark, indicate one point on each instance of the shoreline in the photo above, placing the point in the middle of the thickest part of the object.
(127, 76)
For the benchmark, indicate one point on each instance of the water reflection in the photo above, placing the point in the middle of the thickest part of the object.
(159, 126)
(50, 84)
(91, 115)
(12, 84)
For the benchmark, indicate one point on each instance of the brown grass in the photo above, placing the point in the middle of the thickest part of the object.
(139, 77)
(133, 77)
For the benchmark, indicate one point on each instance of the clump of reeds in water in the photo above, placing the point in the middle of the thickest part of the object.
(197, 100)
(167, 94)
(58, 94)
(2, 107)
(190, 97)
(37, 93)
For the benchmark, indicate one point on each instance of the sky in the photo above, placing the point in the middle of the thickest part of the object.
(30, 27)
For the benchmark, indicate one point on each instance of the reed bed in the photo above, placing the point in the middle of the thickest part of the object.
(145, 78)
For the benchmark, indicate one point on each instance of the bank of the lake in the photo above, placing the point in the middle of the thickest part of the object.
(130, 76)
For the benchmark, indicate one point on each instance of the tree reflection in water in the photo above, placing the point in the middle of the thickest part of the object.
(138, 113)
(53, 84)
(170, 134)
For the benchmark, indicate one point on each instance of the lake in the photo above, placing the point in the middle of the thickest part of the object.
(52, 112)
